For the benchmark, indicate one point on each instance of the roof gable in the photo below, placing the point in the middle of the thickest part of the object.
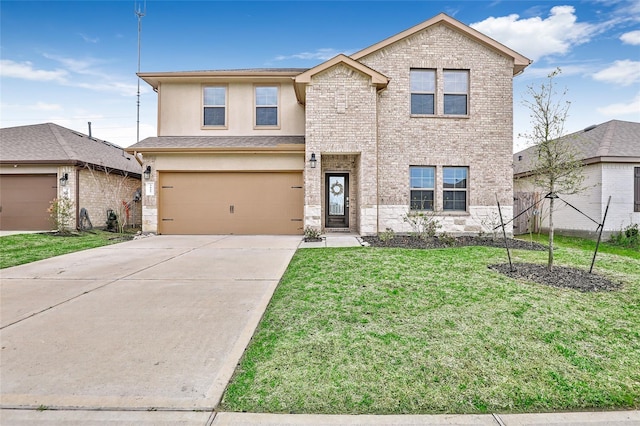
(519, 62)
(301, 80)
(49, 143)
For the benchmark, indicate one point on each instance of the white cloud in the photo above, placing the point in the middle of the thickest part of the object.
(320, 54)
(632, 37)
(89, 39)
(624, 73)
(26, 71)
(536, 37)
(43, 106)
(618, 109)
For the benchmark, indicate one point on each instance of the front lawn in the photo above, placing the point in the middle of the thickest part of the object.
(24, 248)
(390, 331)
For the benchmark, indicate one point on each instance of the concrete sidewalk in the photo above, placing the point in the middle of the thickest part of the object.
(87, 418)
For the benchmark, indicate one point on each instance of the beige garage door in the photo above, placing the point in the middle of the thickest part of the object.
(24, 200)
(230, 203)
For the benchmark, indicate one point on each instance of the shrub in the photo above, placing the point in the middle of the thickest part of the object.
(311, 233)
(61, 214)
(387, 234)
(423, 223)
(627, 237)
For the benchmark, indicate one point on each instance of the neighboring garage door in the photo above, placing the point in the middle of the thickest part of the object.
(231, 203)
(24, 200)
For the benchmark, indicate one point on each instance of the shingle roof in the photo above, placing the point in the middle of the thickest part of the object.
(614, 140)
(49, 143)
(212, 142)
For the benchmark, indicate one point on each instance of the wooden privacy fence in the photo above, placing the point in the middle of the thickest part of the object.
(530, 221)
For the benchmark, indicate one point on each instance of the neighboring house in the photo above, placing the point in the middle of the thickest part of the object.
(611, 155)
(421, 121)
(41, 162)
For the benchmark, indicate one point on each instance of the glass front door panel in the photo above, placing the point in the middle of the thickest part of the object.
(336, 196)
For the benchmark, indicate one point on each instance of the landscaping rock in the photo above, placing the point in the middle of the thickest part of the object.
(414, 242)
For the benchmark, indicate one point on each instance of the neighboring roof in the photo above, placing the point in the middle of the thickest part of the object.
(377, 79)
(49, 143)
(519, 62)
(613, 141)
(155, 78)
(218, 143)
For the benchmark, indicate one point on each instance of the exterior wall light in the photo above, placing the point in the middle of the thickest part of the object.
(147, 172)
(313, 160)
(64, 179)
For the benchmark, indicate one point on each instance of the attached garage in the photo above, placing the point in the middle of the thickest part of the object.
(24, 200)
(266, 203)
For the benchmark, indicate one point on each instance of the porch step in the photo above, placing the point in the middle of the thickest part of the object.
(337, 231)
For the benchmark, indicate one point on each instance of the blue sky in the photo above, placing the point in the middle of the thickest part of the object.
(75, 61)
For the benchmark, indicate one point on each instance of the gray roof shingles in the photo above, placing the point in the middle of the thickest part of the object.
(50, 143)
(614, 138)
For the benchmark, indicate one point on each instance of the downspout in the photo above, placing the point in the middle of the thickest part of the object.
(77, 179)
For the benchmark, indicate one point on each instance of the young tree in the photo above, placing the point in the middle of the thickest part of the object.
(557, 168)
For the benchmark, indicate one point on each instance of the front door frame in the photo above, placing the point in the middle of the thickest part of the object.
(336, 221)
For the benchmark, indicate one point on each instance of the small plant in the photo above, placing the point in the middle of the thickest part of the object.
(627, 237)
(387, 235)
(447, 239)
(61, 214)
(311, 234)
(423, 224)
(490, 224)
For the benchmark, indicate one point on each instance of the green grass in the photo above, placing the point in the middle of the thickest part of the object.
(24, 248)
(390, 331)
(584, 244)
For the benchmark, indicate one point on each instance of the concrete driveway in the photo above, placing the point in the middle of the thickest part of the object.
(153, 324)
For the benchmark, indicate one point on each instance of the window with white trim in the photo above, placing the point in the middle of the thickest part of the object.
(423, 89)
(456, 92)
(454, 184)
(266, 105)
(215, 106)
(422, 184)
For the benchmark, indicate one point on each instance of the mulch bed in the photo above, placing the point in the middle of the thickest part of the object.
(410, 241)
(559, 276)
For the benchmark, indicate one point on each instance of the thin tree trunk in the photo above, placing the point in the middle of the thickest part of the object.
(550, 263)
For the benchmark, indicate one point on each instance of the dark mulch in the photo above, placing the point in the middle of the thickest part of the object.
(559, 276)
(410, 241)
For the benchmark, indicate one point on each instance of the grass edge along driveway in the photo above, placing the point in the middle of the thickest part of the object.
(391, 331)
(19, 249)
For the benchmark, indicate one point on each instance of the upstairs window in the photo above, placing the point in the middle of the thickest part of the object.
(215, 106)
(454, 183)
(423, 89)
(456, 92)
(422, 187)
(266, 106)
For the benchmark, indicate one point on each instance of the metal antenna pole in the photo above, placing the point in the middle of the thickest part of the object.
(139, 13)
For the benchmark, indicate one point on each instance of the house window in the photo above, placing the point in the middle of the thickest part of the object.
(454, 183)
(456, 91)
(215, 105)
(423, 89)
(636, 189)
(266, 106)
(422, 182)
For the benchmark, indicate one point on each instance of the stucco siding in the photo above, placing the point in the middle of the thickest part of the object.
(181, 110)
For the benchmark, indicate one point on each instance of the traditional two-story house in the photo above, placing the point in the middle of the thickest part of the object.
(421, 121)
